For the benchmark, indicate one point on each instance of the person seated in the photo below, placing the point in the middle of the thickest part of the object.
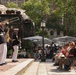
(71, 53)
(23, 53)
(36, 55)
(57, 57)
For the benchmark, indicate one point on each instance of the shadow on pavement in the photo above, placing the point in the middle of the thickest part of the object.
(56, 70)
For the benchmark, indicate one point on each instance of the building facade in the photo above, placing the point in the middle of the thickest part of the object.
(19, 2)
(53, 33)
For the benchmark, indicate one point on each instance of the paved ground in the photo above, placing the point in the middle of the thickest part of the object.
(38, 68)
(10, 64)
(52, 70)
(47, 68)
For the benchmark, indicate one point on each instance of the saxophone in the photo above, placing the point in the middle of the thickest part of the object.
(7, 36)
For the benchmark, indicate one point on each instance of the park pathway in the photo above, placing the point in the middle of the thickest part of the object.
(46, 68)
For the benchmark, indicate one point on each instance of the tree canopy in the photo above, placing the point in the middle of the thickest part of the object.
(39, 10)
(12, 5)
(67, 10)
(36, 9)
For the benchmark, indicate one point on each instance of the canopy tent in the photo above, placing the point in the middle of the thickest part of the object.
(38, 40)
(63, 40)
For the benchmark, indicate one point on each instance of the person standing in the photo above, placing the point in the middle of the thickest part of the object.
(3, 46)
(15, 44)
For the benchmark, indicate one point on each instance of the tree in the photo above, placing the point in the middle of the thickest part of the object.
(64, 13)
(67, 10)
(40, 32)
(12, 5)
(54, 22)
(36, 9)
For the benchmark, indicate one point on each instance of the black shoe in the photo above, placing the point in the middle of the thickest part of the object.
(14, 60)
(1, 64)
(56, 64)
(4, 63)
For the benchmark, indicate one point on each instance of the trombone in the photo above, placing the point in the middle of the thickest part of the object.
(8, 21)
(12, 20)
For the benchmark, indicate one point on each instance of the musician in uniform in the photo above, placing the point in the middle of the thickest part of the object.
(3, 45)
(15, 44)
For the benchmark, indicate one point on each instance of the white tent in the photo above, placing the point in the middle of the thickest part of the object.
(38, 40)
(33, 38)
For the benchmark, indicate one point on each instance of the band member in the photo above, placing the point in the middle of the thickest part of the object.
(3, 46)
(15, 43)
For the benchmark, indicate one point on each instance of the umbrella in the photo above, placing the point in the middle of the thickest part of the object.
(33, 38)
(64, 39)
(38, 40)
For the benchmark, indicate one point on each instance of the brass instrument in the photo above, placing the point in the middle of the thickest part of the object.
(12, 19)
(7, 37)
(7, 21)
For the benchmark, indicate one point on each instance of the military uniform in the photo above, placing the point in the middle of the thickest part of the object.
(3, 47)
(15, 47)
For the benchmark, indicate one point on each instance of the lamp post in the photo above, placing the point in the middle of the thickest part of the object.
(43, 58)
